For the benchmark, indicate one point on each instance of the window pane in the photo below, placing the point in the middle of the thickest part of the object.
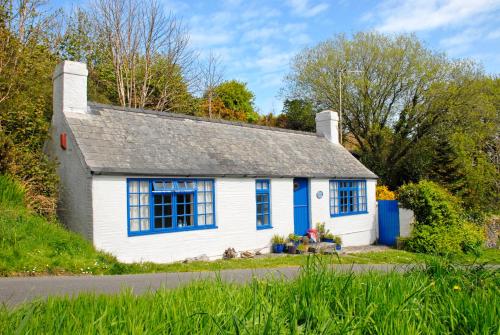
(144, 211)
(201, 197)
(201, 220)
(201, 208)
(133, 199)
(158, 223)
(134, 212)
(189, 209)
(158, 210)
(144, 199)
(134, 225)
(265, 185)
(158, 198)
(209, 208)
(133, 186)
(259, 208)
(208, 185)
(168, 222)
(260, 221)
(144, 186)
(266, 220)
(258, 185)
(209, 219)
(208, 197)
(189, 220)
(144, 224)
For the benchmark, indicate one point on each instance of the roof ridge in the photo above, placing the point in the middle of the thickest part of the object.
(197, 118)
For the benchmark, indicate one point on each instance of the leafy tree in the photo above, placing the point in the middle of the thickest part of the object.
(411, 113)
(238, 98)
(300, 115)
(27, 61)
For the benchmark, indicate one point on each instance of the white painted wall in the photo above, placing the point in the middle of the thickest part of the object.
(406, 218)
(360, 229)
(235, 215)
(75, 190)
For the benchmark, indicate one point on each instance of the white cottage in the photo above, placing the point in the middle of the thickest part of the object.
(161, 187)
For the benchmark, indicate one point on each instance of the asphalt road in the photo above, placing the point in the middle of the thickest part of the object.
(16, 290)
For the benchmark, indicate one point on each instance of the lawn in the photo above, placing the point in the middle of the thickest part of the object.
(437, 299)
(31, 245)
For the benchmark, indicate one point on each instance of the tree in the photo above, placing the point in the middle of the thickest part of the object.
(299, 114)
(27, 59)
(210, 76)
(386, 108)
(238, 98)
(142, 42)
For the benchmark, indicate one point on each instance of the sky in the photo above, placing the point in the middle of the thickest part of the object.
(256, 40)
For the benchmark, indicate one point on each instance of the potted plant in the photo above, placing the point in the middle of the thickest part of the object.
(338, 243)
(302, 249)
(320, 227)
(329, 237)
(291, 248)
(295, 239)
(278, 243)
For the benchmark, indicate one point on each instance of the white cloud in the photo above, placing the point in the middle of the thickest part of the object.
(303, 8)
(420, 15)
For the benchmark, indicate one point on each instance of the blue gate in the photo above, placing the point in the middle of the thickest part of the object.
(300, 206)
(388, 221)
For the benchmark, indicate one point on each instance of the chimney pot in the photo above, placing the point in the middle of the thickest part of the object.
(327, 125)
(70, 87)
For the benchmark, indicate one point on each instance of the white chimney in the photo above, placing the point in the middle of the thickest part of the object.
(327, 125)
(70, 87)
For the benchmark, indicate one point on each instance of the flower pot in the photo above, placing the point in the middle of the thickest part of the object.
(338, 247)
(292, 249)
(278, 248)
(328, 240)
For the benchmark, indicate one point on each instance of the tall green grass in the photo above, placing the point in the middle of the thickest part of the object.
(11, 192)
(30, 244)
(433, 300)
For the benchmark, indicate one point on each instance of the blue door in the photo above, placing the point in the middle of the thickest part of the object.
(300, 206)
(388, 221)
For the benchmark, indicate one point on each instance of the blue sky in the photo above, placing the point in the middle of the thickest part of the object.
(257, 39)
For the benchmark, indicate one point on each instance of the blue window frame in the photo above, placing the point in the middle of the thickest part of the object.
(169, 205)
(347, 197)
(263, 202)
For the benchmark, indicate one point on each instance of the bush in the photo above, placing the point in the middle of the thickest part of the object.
(383, 193)
(440, 222)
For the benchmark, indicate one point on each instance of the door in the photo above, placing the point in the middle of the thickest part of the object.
(388, 221)
(300, 206)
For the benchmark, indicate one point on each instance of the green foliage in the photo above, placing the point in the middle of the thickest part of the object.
(440, 121)
(299, 115)
(11, 192)
(26, 110)
(278, 239)
(237, 97)
(440, 226)
(435, 299)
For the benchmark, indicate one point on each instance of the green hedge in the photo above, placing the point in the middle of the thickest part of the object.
(440, 224)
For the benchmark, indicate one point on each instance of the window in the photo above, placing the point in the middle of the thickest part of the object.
(262, 196)
(169, 205)
(347, 197)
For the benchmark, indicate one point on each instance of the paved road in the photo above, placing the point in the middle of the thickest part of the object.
(16, 290)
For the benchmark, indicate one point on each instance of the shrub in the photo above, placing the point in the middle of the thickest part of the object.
(278, 239)
(440, 223)
(383, 193)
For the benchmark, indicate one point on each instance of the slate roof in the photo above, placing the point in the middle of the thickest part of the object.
(115, 140)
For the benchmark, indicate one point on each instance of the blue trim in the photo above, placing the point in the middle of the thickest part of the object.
(263, 191)
(174, 191)
(362, 206)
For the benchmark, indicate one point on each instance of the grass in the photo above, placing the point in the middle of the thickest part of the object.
(31, 245)
(438, 299)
